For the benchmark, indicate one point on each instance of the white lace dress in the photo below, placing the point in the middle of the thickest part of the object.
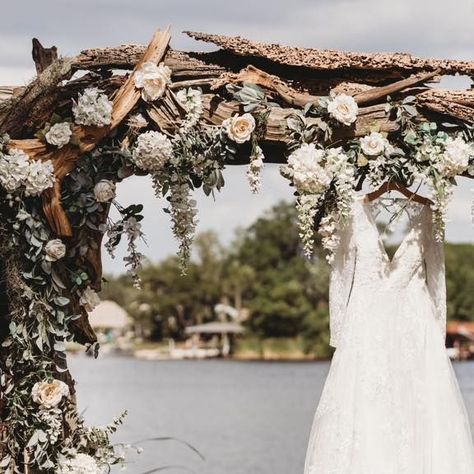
(391, 403)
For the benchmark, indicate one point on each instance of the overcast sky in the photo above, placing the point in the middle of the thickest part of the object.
(435, 28)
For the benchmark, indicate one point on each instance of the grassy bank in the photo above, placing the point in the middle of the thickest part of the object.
(253, 348)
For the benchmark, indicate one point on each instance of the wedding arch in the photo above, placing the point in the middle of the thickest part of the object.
(333, 120)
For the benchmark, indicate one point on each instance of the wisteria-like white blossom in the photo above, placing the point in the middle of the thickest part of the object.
(306, 207)
(254, 169)
(183, 216)
(152, 151)
(133, 260)
(191, 100)
(53, 421)
(19, 172)
(328, 229)
(92, 108)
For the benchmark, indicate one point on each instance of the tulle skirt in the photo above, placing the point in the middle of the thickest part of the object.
(391, 403)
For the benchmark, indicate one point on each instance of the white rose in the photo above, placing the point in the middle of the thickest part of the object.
(153, 80)
(89, 299)
(343, 108)
(59, 134)
(49, 394)
(55, 250)
(104, 191)
(455, 159)
(239, 128)
(373, 144)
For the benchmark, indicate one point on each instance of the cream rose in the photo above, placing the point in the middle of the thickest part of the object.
(89, 299)
(343, 108)
(239, 128)
(104, 191)
(373, 144)
(59, 134)
(153, 80)
(55, 250)
(49, 394)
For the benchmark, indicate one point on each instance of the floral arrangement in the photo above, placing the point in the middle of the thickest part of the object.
(54, 278)
(326, 179)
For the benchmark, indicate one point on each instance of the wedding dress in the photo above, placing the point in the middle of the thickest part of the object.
(391, 403)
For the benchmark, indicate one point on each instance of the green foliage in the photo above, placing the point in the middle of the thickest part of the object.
(263, 271)
(460, 281)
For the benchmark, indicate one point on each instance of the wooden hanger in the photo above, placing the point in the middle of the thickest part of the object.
(395, 186)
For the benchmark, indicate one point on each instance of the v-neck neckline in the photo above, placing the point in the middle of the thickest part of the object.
(367, 206)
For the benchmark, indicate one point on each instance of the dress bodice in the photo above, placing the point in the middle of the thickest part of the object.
(362, 266)
(373, 266)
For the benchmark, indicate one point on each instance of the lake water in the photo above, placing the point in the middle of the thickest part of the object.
(244, 417)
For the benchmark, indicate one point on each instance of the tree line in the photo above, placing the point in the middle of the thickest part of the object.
(264, 273)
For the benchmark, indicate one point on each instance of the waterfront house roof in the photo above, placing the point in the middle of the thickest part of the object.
(109, 315)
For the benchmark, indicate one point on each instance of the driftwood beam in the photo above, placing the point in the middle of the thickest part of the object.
(331, 60)
(377, 93)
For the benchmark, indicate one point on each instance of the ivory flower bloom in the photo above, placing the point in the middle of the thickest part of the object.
(306, 171)
(343, 108)
(79, 464)
(59, 134)
(55, 250)
(104, 191)
(373, 144)
(152, 151)
(40, 177)
(239, 128)
(49, 394)
(455, 159)
(93, 107)
(89, 299)
(153, 80)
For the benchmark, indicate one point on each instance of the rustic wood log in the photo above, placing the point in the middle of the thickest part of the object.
(14, 112)
(331, 60)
